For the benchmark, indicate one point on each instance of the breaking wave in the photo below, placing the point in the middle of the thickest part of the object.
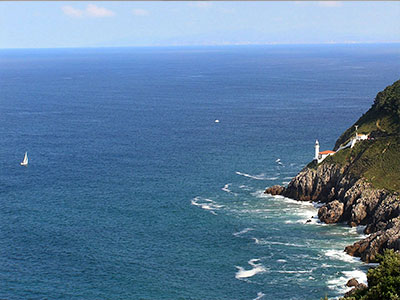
(341, 255)
(257, 268)
(257, 177)
(259, 296)
(206, 204)
(339, 283)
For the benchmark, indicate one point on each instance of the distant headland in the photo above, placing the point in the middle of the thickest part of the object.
(358, 181)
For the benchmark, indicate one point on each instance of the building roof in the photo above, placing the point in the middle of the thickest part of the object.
(327, 152)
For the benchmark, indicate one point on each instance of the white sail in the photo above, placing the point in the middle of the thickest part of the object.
(25, 161)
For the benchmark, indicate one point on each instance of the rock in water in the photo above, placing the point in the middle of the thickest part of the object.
(374, 244)
(352, 282)
(331, 212)
(360, 286)
(275, 190)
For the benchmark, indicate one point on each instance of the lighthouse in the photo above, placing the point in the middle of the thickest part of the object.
(316, 157)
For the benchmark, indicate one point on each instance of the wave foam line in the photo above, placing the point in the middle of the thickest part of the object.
(264, 242)
(341, 255)
(257, 177)
(243, 231)
(206, 204)
(257, 268)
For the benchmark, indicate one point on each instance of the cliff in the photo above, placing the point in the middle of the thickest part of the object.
(360, 185)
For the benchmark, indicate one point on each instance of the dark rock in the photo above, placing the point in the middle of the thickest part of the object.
(275, 190)
(360, 286)
(352, 282)
(314, 184)
(352, 200)
(374, 244)
(331, 212)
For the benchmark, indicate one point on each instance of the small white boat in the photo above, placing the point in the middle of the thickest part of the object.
(216, 121)
(25, 161)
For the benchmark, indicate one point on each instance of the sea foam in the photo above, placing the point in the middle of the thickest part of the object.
(259, 296)
(206, 204)
(242, 231)
(257, 177)
(340, 255)
(339, 283)
(257, 268)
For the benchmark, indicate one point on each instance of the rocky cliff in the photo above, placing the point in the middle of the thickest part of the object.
(360, 186)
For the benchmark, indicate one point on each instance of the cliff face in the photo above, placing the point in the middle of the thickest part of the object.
(351, 200)
(360, 186)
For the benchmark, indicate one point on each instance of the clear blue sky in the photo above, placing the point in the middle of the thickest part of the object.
(92, 24)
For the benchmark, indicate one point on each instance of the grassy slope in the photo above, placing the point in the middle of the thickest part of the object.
(377, 160)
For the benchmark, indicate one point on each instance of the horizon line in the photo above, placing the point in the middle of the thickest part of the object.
(212, 45)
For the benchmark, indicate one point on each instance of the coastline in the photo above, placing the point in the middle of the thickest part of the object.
(371, 212)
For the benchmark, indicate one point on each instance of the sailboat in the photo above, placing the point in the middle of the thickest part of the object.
(25, 161)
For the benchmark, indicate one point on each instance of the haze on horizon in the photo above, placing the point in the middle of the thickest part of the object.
(148, 23)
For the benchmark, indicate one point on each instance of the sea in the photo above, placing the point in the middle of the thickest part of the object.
(134, 191)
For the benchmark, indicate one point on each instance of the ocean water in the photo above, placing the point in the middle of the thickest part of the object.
(134, 192)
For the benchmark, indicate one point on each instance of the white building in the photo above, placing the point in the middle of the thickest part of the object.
(357, 138)
(320, 156)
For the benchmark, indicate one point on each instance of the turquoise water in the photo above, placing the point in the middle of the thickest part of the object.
(134, 192)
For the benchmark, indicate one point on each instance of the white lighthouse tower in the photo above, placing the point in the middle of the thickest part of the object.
(316, 157)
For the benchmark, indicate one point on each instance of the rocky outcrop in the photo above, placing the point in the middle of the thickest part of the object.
(368, 248)
(352, 200)
(274, 190)
(358, 287)
(331, 212)
(352, 282)
(314, 184)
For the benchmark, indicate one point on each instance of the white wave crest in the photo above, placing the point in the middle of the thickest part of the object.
(339, 283)
(266, 242)
(245, 187)
(295, 272)
(206, 204)
(226, 189)
(257, 177)
(243, 231)
(340, 255)
(257, 268)
(259, 296)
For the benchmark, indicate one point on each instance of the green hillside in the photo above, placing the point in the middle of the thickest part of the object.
(377, 159)
(381, 119)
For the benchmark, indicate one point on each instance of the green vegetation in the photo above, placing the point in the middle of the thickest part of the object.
(383, 118)
(377, 160)
(383, 281)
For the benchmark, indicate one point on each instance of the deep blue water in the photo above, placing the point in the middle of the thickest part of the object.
(134, 192)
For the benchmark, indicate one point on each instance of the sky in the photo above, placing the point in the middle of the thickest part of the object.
(151, 23)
